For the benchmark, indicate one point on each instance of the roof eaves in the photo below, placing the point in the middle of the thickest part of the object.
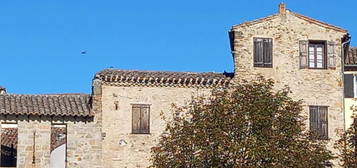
(256, 21)
(308, 19)
(163, 78)
(320, 23)
(41, 105)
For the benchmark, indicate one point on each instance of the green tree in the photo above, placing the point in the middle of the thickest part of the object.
(248, 125)
(347, 146)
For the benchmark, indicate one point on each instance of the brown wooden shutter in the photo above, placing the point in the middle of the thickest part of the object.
(323, 122)
(303, 50)
(267, 53)
(348, 85)
(258, 52)
(145, 119)
(314, 119)
(136, 119)
(331, 55)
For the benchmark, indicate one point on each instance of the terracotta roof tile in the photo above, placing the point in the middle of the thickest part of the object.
(58, 137)
(164, 78)
(352, 56)
(9, 137)
(45, 105)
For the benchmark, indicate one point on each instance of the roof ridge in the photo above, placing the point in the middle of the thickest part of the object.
(165, 78)
(134, 70)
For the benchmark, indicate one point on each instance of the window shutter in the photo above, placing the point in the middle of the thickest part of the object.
(303, 50)
(136, 119)
(331, 56)
(145, 119)
(323, 120)
(267, 54)
(258, 52)
(348, 85)
(314, 119)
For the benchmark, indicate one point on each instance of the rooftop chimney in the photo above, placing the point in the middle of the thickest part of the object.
(2, 90)
(282, 8)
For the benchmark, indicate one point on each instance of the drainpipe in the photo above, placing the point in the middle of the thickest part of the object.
(231, 35)
(343, 45)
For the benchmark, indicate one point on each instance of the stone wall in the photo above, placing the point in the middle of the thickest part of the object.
(25, 148)
(123, 149)
(84, 145)
(350, 104)
(322, 87)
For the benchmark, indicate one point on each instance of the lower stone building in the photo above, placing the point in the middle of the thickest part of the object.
(117, 124)
(33, 127)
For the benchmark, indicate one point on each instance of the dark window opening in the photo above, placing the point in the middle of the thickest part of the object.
(141, 119)
(350, 85)
(8, 145)
(263, 52)
(319, 121)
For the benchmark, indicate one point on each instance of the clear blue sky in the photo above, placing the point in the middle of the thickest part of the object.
(42, 40)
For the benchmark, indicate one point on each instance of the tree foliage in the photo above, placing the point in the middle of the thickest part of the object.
(247, 126)
(347, 146)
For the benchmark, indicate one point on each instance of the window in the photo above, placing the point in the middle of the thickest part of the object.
(58, 146)
(8, 145)
(319, 121)
(263, 52)
(141, 119)
(317, 54)
(350, 85)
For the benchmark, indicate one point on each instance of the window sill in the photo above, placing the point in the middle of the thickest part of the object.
(262, 66)
(318, 69)
(140, 133)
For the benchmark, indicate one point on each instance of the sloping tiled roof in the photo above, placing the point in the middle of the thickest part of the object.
(45, 105)
(351, 57)
(163, 78)
(308, 19)
(9, 137)
(58, 137)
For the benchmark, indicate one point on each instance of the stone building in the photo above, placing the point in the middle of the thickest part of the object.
(118, 123)
(302, 53)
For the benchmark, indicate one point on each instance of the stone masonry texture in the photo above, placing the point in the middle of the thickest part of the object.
(322, 87)
(99, 126)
